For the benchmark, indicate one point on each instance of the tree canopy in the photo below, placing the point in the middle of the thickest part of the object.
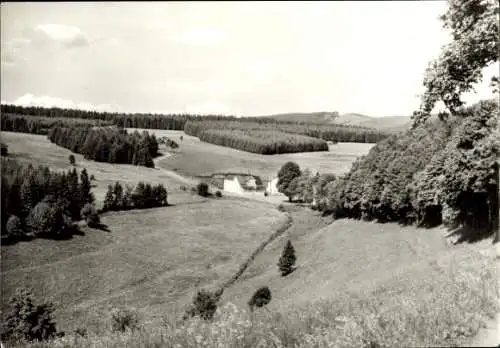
(474, 46)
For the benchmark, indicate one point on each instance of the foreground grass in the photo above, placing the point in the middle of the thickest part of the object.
(195, 158)
(434, 314)
(151, 259)
(357, 285)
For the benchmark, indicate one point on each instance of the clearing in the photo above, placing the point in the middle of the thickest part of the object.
(196, 158)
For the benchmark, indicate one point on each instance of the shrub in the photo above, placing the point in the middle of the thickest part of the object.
(47, 219)
(287, 260)
(26, 320)
(202, 189)
(123, 319)
(89, 213)
(72, 159)
(204, 305)
(260, 298)
(218, 194)
(183, 188)
(281, 208)
(14, 227)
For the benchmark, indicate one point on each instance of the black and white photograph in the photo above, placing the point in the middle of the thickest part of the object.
(250, 174)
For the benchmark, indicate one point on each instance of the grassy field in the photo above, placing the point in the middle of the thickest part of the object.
(151, 259)
(357, 284)
(195, 157)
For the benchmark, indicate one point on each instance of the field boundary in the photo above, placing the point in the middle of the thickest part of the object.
(282, 229)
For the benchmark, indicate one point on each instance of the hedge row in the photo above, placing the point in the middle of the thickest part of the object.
(263, 142)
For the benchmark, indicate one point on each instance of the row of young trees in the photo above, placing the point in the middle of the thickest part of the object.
(263, 142)
(143, 196)
(109, 144)
(42, 125)
(327, 132)
(41, 201)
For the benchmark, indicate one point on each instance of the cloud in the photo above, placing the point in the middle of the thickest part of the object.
(46, 101)
(12, 51)
(69, 36)
(202, 36)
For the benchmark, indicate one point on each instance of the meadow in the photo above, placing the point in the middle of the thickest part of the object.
(356, 284)
(196, 158)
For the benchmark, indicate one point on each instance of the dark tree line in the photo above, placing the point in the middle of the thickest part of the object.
(42, 125)
(143, 196)
(263, 142)
(111, 145)
(440, 172)
(328, 132)
(40, 201)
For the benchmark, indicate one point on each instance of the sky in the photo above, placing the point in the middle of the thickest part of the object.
(238, 58)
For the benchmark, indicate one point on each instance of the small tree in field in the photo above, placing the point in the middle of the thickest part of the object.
(260, 298)
(72, 160)
(286, 174)
(26, 320)
(14, 227)
(123, 319)
(202, 189)
(287, 260)
(204, 305)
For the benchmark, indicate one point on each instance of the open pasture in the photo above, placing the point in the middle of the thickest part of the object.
(195, 157)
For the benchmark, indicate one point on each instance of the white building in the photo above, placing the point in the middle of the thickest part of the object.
(272, 186)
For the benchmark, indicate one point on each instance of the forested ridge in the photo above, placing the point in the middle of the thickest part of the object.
(42, 125)
(440, 172)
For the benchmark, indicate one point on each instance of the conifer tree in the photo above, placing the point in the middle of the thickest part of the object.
(287, 260)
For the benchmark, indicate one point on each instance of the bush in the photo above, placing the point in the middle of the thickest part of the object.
(72, 159)
(204, 305)
(281, 208)
(183, 188)
(218, 194)
(27, 321)
(123, 319)
(202, 189)
(89, 213)
(260, 298)
(47, 219)
(287, 260)
(14, 227)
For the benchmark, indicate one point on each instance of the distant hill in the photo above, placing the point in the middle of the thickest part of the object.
(395, 123)
(385, 123)
(310, 117)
